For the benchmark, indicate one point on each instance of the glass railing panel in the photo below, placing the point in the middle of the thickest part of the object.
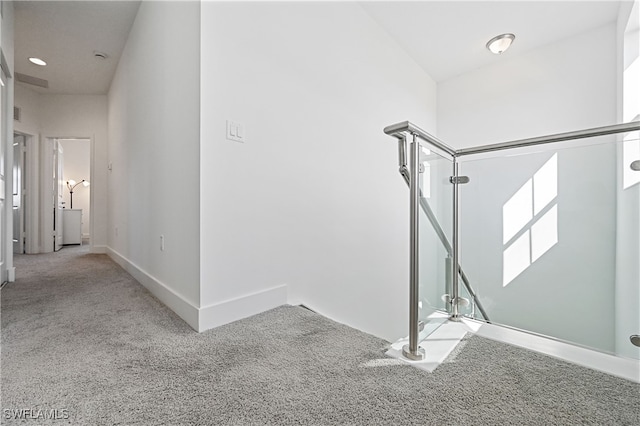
(467, 305)
(435, 228)
(549, 239)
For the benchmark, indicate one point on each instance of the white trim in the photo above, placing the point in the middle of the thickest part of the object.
(11, 274)
(47, 194)
(99, 250)
(626, 368)
(444, 339)
(207, 317)
(242, 307)
(92, 176)
(177, 303)
(32, 199)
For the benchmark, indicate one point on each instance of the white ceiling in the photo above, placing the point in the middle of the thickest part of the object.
(448, 38)
(65, 34)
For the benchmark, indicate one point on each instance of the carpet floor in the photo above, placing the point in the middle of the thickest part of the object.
(81, 336)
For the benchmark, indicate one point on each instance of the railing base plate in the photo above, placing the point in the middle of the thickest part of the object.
(418, 356)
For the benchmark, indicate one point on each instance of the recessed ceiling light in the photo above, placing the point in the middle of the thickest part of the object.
(38, 61)
(500, 43)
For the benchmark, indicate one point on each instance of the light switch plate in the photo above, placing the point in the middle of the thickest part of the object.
(235, 131)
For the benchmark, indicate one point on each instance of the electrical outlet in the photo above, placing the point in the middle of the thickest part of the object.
(161, 242)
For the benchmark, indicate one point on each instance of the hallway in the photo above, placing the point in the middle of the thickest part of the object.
(82, 338)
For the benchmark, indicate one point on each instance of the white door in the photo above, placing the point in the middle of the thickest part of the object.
(19, 193)
(4, 243)
(52, 187)
(59, 182)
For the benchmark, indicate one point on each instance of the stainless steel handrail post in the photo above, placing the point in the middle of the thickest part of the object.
(412, 351)
(402, 154)
(455, 313)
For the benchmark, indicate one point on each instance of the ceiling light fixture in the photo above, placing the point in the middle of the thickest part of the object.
(500, 43)
(37, 61)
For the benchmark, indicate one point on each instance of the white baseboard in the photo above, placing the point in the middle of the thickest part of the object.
(616, 366)
(99, 250)
(442, 341)
(242, 307)
(185, 309)
(205, 318)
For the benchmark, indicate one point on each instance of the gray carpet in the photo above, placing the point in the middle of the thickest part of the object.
(79, 334)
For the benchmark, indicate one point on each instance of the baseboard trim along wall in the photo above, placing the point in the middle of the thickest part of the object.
(183, 308)
(242, 307)
(617, 366)
(207, 317)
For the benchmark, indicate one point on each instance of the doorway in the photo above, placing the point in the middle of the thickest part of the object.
(51, 193)
(76, 170)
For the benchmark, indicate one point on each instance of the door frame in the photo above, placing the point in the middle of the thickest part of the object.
(38, 166)
(19, 172)
(32, 242)
(91, 141)
(58, 191)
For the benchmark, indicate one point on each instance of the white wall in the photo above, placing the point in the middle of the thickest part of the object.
(569, 291)
(77, 156)
(83, 116)
(29, 103)
(312, 199)
(29, 124)
(7, 45)
(560, 87)
(154, 140)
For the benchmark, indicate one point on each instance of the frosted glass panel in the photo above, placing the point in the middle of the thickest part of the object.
(548, 239)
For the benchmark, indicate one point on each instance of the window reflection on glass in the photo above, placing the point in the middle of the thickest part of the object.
(530, 221)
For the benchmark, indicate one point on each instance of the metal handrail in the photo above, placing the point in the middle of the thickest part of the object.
(558, 137)
(399, 131)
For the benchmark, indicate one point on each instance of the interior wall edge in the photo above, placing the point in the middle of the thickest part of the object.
(174, 301)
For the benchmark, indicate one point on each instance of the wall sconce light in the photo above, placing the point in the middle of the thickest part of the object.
(71, 184)
(500, 43)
